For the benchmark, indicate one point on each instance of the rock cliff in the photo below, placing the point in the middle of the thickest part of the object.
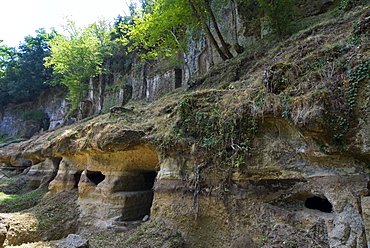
(276, 156)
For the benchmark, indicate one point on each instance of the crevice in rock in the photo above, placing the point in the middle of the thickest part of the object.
(318, 203)
(178, 77)
(77, 177)
(95, 177)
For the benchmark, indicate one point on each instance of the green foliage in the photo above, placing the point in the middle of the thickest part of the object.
(7, 54)
(218, 128)
(360, 73)
(360, 32)
(23, 74)
(15, 203)
(9, 140)
(163, 27)
(286, 112)
(3, 137)
(339, 127)
(54, 213)
(156, 233)
(6, 140)
(79, 56)
(280, 14)
(12, 196)
(122, 54)
(159, 31)
(348, 4)
(340, 122)
(37, 115)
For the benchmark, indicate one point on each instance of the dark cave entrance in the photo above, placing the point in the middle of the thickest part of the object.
(77, 177)
(318, 203)
(178, 77)
(149, 179)
(138, 190)
(95, 177)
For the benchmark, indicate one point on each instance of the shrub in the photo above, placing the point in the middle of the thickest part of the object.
(37, 115)
(349, 4)
(280, 14)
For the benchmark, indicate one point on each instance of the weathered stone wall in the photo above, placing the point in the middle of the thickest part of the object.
(111, 186)
(114, 173)
(161, 83)
(288, 191)
(51, 101)
(269, 198)
(143, 82)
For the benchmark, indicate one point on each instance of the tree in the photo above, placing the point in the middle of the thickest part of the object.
(123, 56)
(79, 56)
(163, 30)
(7, 54)
(23, 74)
(203, 11)
(157, 31)
(279, 13)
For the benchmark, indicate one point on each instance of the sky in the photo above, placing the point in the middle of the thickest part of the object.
(19, 18)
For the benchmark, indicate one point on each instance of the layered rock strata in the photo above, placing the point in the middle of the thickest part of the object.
(287, 192)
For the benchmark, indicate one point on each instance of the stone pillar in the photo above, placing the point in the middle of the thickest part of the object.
(365, 205)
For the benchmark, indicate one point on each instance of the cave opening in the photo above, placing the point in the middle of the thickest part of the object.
(318, 203)
(178, 77)
(95, 177)
(139, 195)
(77, 177)
(149, 179)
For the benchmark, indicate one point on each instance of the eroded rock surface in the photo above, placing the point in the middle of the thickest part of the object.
(73, 241)
(287, 192)
(293, 171)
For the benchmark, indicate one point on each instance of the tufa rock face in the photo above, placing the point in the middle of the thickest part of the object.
(37, 224)
(114, 172)
(42, 173)
(288, 192)
(290, 186)
(73, 241)
(114, 185)
(51, 103)
(285, 192)
(3, 231)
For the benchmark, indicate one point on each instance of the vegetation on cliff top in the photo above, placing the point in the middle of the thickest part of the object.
(157, 30)
(164, 28)
(79, 56)
(311, 80)
(22, 72)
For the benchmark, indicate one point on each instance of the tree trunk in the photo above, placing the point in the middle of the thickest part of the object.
(237, 47)
(144, 85)
(207, 30)
(218, 32)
